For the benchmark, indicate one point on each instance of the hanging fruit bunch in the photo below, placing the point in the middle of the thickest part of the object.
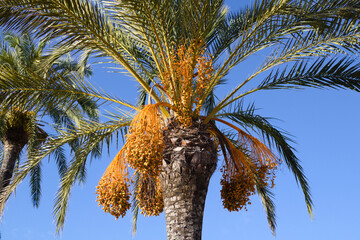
(185, 81)
(143, 152)
(250, 165)
(113, 188)
(144, 142)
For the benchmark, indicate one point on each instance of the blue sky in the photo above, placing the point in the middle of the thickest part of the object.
(325, 126)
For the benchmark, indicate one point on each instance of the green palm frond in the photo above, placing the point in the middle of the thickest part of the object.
(75, 19)
(323, 73)
(294, 40)
(35, 186)
(229, 30)
(60, 159)
(266, 197)
(96, 134)
(134, 202)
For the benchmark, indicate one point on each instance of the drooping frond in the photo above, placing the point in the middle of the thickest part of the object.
(96, 134)
(35, 186)
(266, 196)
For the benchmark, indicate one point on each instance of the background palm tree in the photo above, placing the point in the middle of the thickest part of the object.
(179, 51)
(20, 127)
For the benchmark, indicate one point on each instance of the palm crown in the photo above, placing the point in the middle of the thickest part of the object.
(179, 52)
(21, 126)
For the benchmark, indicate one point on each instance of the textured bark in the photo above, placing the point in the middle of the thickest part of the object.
(190, 158)
(14, 141)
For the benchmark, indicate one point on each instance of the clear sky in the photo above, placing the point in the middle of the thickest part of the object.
(325, 126)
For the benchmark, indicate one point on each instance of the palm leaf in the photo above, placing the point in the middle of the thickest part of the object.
(323, 73)
(35, 186)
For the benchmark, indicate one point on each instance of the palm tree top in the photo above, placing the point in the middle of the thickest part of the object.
(180, 52)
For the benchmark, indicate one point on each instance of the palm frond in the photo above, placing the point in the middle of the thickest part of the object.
(60, 160)
(76, 170)
(266, 198)
(323, 73)
(84, 23)
(228, 31)
(134, 202)
(35, 184)
(295, 40)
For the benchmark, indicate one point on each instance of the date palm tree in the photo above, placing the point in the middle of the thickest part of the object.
(180, 52)
(19, 126)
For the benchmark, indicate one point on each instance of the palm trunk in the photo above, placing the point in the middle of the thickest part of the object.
(190, 158)
(14, 141)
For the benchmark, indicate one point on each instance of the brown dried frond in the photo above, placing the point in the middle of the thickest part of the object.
(113, 188)
(150, 196)
(144, 142)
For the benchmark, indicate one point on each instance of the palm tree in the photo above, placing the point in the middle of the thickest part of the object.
(180, 51)
(20, 127)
